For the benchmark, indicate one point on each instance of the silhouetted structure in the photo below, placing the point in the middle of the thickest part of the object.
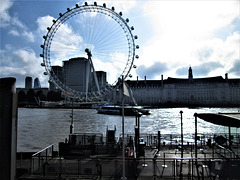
(36, 83)
(28, 82)
(8, 128)
(75, 74)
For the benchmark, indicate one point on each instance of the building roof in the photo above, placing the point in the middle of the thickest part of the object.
(170, 80)
(223, 119)
(197, 80)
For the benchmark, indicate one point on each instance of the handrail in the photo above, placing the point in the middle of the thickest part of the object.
(42, 150)
(229, 150)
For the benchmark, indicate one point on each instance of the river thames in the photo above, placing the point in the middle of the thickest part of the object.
(38, 128)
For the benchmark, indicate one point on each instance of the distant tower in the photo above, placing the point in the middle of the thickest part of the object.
(190, 75)
(37, 83)
(28, 82)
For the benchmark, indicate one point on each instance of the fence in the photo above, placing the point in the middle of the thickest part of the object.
(208, 165)
(41, 159)
(111, 168)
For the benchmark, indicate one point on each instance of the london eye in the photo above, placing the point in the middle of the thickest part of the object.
(98, 33)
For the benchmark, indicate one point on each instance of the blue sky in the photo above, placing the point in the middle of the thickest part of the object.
(173, 35)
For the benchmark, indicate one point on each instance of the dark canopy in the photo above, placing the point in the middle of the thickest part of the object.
(224, 119)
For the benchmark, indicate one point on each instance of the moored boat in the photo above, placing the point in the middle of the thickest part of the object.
(117, 110)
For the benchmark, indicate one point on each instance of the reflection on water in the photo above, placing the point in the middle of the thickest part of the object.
(37, 128)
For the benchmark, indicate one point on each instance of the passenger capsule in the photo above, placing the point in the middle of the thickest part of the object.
(137, 46)
(41, 55)
(42, 64)
(136, 37)
(104, 5)
(44, 37)
(134, 66)
(48, 28)
(113, 8)
(42, 46)
(132, 28)
(68, 9)
(95, 3)
(77, 6)
(137, 56)
(127, 20)
(86, 3)
(120, 13)
(130, 75)
(54, 21)
(45, 73)
(60, 14)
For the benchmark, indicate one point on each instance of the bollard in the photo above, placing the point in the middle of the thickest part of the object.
(8, 128)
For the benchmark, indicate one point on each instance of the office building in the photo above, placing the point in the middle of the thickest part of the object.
(76, 74)
(28, 82)
(36, 83)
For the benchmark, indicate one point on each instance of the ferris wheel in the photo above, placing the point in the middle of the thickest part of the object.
(100, 35)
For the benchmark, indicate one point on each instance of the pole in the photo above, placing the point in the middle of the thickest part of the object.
(195, 135)
(123, 139)
(229, 137)
(8, 128)
(71, 125)
(181, 112)
(196, 161)
(181, 175)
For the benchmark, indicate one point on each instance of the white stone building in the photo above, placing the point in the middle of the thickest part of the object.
(210, 91)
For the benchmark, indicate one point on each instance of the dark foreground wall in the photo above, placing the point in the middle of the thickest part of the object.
(8, 128)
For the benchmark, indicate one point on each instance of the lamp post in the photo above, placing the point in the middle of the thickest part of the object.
(181, 112)
(181, 175)
(195, 115)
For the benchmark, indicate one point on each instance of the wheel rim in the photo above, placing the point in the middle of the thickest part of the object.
(102, 42)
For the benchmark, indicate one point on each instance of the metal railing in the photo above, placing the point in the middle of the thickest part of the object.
(41, 158)
(111, 168)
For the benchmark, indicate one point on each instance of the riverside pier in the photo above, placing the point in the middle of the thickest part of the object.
(155, 156)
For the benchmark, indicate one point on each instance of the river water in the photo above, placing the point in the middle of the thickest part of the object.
(38, 128)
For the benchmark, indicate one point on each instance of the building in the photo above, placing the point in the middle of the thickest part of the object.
(36, 83)
(210, 91)
(28, 82)
(102, 79)
(58, 71)
(77, 74)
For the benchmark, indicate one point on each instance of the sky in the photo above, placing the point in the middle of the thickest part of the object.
(172, 35)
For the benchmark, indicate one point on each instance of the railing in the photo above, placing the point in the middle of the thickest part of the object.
(209, 165)
(41, 159)
(111, 168)
(225, 152)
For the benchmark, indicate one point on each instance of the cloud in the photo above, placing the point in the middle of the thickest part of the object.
(123, 6)
(4, 14)
(153, 71)
(188, 33)
(14, 32)
(204, 53)
(201, 70)
(16, 27)
(235, 70)
(21, 63)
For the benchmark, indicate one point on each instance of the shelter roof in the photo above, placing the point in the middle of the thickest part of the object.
(224, 119)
